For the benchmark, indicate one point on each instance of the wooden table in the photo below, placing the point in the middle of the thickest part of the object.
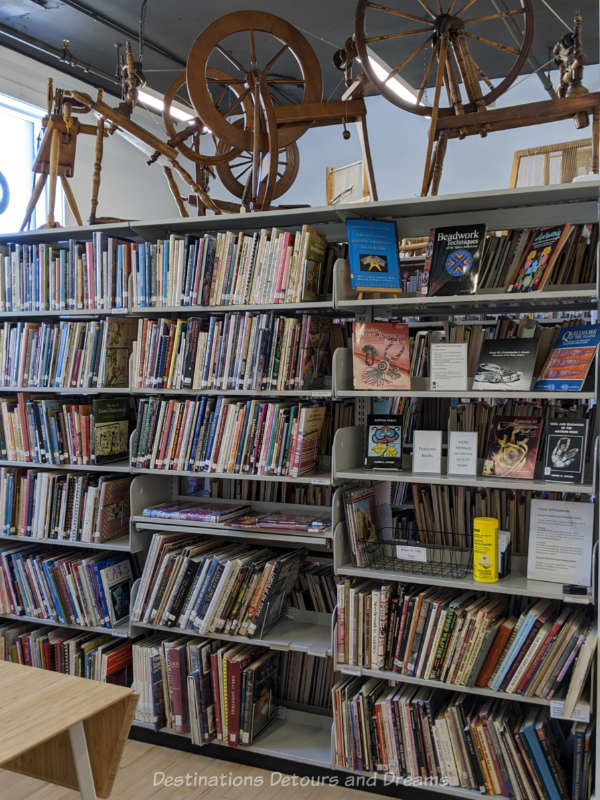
(66, 730)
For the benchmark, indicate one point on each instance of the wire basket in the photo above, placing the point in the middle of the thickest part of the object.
(436, 553)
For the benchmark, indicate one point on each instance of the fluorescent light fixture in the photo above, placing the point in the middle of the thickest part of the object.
(156, 100)
(395, 83)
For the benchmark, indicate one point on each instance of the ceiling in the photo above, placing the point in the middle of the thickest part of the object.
(94, 27)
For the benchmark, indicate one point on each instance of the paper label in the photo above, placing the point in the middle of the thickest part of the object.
(581, 713)
(411, 553)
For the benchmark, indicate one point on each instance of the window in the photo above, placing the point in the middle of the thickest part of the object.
(20, 127)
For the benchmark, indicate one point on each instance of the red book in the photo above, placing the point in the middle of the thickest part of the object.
(381, 355)
(500, 640)
(214, 675)
(235, 669)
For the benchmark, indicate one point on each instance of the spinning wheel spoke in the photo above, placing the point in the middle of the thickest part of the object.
(465, 7)
(499, 15)
(426, 8)
(385, 36)
(240, 100)
(409, 58)
(233, 61)
(482, 74)
(396, 13)
(451, 6)
(291, 81)
(426, 76)
(490, 43)
(252, 50)
(277, 55)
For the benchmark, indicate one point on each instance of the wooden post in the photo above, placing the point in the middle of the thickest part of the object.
(596, 141)
(71, 199)
(97, 169)
(438, 162)
(363, 135)
(53, 171)
(175, 192)
(434, 114)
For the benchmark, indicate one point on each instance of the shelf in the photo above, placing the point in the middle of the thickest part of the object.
(82, 390)
(323, 305)
(122, 631)
(514, 584)
(479, 481)
(450, 687)
(313, 394)
(318, 479)
(78, 312)
(115, 466)
(293, 736)
(287, 634)
(120, 543)
(155, 524)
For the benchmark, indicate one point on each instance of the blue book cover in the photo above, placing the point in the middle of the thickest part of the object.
(569, 362)
(213, 429)
(197, 427)
(528, 730)
(516, 645)
(373, 254)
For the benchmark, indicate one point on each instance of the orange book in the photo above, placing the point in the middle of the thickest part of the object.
(165, 433)
(500, 640)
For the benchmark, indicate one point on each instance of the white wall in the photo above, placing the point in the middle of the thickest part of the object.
(128, 188)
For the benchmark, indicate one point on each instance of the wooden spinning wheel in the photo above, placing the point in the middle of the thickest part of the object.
(442, 35)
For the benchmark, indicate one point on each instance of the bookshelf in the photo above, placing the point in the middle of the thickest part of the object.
(301, 735)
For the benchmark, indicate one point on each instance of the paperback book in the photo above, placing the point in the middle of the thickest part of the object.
(373, 254)
(506, 364)
(381, 355)
(539, 257)
(512, 447)
(383, 447)
(570, 359)
(565, 450)
(452, 260)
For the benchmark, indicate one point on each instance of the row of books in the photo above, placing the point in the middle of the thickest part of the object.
(465, 638)
(222, 435)
(259, 352)
(63, 506)
(241, 517)
(457, 741)
(315, 588)
(439, 515)
(65, 276)
(305, 680)
(265, 492)
(210, 586)
(41, 430)
(229, 269)
(70, 588)
(552, 359)
(67, 354)
(99, 657)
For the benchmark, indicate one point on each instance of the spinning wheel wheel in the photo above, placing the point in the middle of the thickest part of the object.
(236, 173)
(232, 40)
(440, 33)
(181, 130)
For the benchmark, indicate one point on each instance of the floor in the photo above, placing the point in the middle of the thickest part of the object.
(146, 769)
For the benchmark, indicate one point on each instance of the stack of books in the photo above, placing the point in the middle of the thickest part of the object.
(222, 435)
(210, 586)
(99, 657)
(305, 680)
(57, 505)
(70, 588)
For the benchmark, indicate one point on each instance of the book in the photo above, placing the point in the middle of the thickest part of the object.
(512, 447)
(373, 254)
(506, 364)
(452, 260)
(110, 431)
(116, 583)
(565, 449)
(540, 255)
(383, 445)
(570, 359)
(380, 355)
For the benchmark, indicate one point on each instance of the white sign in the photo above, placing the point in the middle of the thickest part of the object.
(462, 453)
(561, 536)
(427, 452)
(448, 366)
(411, 553)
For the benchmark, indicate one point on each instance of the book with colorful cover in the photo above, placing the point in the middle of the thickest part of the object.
(110, 432)
(539, 257)
(195, 512)
(570, 359)
(381, 355)
(452, 260)
(373, 254)
(512, 447)
(565, 450)
(383, 446)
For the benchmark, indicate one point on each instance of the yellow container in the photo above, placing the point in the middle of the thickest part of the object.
(485, 549)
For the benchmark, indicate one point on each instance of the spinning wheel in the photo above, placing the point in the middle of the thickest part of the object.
(441, 34)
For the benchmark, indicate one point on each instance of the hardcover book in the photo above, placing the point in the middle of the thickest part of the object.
(512, 447)
(380, 355)
(539, 258)
(110, 434)
(506, 364)
(113, 507)
(565, 450)
(452, 260)
(570, 359)
(383, 446)
(373, 254)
